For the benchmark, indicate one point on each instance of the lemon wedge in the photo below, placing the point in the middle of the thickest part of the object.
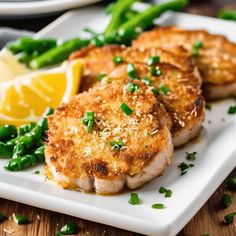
(25, 98)
(10, 67)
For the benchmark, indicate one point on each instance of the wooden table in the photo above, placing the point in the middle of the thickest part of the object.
(47, 223)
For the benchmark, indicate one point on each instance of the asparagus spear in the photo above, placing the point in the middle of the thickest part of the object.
(121, 7)
(58, 54)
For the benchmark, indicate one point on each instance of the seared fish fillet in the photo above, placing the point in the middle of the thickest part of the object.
(180, 94)
(216, 60)
(100, 60)
(185, 103)
(90, 161)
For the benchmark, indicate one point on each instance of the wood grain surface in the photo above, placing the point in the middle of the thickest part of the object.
(209, 219)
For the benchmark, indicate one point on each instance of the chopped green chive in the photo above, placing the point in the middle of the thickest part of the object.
(164, 89)
(117, 60)
(20, 219)
(232, 183)
(97, 42)
(126, 109)
(109, 80)
(195, 50)
(158, 206)
(167, 192)
(88, 120)
(184, 167)
(155, 91)
(131, 87)
(131, 70)
(147, 81)
(232, 110)
(229, 218)
(226, 200)
(191, 156)
(116, 145)
(152, 61)
(2, 218)
(69, 229)
(100, 77)
(198, 44)
(208, 106)
(134, 199)
(37, 172)
(155, 72)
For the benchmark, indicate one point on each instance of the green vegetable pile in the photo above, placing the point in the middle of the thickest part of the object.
(125, 25)
(25, 144)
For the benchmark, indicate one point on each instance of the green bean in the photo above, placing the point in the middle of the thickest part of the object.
(120, 8)
(39, 153)
(227, 14)
(26, 128)
(110, 8)
(7, 132)
(15, 47)
(142, 21)
(24, 162)
(58, 54)
(30, 45)
(23, 143)
(21, 163)
(6, 150)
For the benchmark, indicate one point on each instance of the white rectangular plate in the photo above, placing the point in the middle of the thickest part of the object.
(216, 156)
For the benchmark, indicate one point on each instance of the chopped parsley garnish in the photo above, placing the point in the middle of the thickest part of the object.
(147, 81)
(191, 156)
(155, 72)
(134, 199)
(88, 120)
(164, 89)
(232, 110)
(116, 145)
(69, 229)
(167, 192)
(132, 87)
(232, 183)
(208, 106)
(195, 50)
(117, 60)
(126, 109)
(37, 172)
(152, 61)
(226, 200)
(229, 218)
(100, 77)
(184, 167)
(2, 217)
(131, 70)
(20, 219)
(158, 206)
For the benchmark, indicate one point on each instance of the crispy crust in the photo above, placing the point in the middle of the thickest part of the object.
(184, 103)
(217, 57)
(99, 60)
(78, 155)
